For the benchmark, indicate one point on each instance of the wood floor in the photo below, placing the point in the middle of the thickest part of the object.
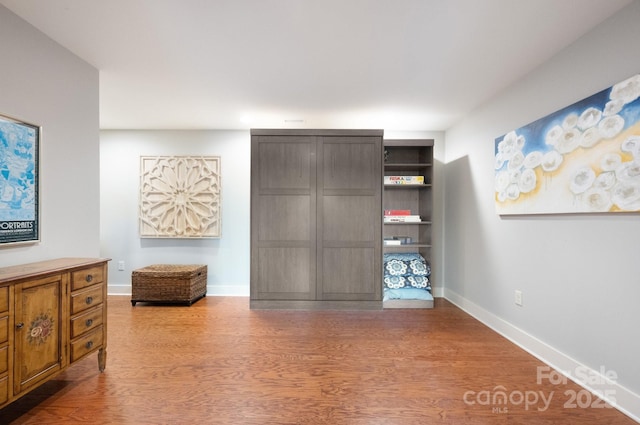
(217, 362)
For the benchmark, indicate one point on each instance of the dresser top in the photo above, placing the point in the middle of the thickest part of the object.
(31, 270)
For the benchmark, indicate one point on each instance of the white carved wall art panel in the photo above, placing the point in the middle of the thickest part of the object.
(180, 197)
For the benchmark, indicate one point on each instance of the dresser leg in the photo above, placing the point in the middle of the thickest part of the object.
(102, 359)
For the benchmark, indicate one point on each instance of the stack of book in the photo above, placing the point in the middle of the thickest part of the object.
(403, 180)
(397, 240)
(400, 216)
(392, 241)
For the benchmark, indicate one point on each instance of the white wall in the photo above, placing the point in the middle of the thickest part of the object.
(579, 273)
(44, 84)
(227, 258)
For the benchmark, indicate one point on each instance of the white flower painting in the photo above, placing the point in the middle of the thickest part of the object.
(584, 158)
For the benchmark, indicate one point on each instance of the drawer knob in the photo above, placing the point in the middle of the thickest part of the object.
(89, 300)
(89, 278)
(89, 344)
(89, 322)
(19, 325)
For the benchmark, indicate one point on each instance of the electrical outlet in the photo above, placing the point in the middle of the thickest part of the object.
(518, 297)
(121, 265)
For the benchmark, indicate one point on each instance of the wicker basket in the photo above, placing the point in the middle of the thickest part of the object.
(169, 283)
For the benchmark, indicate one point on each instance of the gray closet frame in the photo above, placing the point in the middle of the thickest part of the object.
(316, 219)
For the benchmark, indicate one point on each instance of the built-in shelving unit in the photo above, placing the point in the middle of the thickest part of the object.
(409, 158)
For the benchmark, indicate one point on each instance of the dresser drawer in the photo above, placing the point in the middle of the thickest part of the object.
(4, 359)
(81, 301)
(86, 321)
(86, 343)
(4, 389)
(4, 329)
(87, 277)
(4, 299)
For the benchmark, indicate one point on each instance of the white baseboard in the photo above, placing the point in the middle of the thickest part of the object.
(437, 291)
(592, 380)
(115, 289)
(212, 290)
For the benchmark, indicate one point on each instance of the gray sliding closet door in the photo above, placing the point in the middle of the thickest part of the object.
(316, 218)
(283, 218)
(349, 218)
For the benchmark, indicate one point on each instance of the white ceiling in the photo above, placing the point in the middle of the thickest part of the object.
(239, 64)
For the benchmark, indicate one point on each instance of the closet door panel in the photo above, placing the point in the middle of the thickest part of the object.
(349, 218)
(284, 164)
(348, 274)
(276, 221)
(283, 218)
(349, 165)
(284, 273)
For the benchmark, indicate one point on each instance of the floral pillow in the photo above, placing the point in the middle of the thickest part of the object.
(397, 282)
(406, 270)
(405, 264)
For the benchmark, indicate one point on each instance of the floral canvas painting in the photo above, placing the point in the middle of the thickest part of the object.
(584, 158)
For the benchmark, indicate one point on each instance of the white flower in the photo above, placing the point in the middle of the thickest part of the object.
(533, 159)
(512, 192)
(582, 179)
(570, 121)
(514, 176)
(510, 144)
(590, 137)
(610, 161)
(502, 181)
(627, 90)
(610, 126)
(500, 160)
(626, 195)
(553, 135)
(527, 181)
(632, 145)
(605, 181)
(628, 171)
(551, 161)
(516, 161)
(589, 118)
(597, 200)
(569, 141)
(612, 107)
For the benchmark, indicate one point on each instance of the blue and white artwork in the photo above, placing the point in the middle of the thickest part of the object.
(584, 158)
(18, 181)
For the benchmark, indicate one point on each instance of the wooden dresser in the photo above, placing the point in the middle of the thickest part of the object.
(52, 314)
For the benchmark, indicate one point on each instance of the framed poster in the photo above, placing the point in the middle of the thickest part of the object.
(19, 175)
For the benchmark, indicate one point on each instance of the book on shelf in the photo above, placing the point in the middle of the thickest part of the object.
(391, 242)
(402, 219)
(397, 240)
(397, 212)
(403, 180)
